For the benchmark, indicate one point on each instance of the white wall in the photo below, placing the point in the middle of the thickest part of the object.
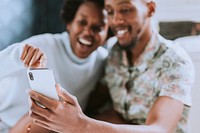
(178, 10)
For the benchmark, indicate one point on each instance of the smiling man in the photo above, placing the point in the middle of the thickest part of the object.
(149, 79)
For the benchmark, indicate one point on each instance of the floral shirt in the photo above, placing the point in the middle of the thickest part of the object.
(163, 69)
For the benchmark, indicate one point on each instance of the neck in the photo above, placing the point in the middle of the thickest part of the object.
(143, 39)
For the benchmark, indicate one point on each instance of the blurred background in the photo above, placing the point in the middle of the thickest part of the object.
(177, 20)
(20, 19)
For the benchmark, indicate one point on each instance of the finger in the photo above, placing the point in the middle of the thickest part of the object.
(38, 59)
(40, 120)
(24, 52)
(37, 97)
(42, 61)
(35, 58)
(29, 56)
(65, 95)
(36, 110)
(43, 124)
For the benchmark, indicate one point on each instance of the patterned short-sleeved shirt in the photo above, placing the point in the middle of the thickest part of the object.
(163, 69)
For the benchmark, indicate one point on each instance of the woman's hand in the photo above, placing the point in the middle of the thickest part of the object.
(58, 116)
(33, 57)
(26, 125)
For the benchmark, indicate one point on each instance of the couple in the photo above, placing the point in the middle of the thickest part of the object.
(149, 78)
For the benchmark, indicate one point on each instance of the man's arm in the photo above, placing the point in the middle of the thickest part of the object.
(68, 117)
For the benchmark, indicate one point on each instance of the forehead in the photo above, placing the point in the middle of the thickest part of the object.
(119, 2)
(92, 13)
(90, 9)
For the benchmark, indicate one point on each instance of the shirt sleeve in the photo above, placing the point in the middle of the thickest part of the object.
(177, 78)
(10, 59)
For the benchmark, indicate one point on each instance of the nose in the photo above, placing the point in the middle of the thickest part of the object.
(117, 19)
(87, 31)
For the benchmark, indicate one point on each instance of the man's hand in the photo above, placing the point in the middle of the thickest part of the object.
(65, 116)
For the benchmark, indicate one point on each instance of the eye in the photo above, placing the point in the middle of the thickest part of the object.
(125, 10)
(82, 22)
(97, 29)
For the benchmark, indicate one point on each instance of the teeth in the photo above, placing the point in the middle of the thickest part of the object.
(121, 32)
(85, 42)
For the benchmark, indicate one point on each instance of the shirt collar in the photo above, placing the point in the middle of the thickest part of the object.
(147, 56)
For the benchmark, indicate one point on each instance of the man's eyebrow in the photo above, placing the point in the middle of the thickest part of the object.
(123, 2)
(120, 2)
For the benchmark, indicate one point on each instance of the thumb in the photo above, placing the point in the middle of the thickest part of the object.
(65, 95)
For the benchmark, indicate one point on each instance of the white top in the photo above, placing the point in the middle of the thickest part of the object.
(77, 76)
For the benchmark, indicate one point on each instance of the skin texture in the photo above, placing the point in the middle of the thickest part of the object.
(129, 19)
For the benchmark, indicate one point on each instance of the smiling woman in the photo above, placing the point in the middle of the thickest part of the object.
(76, 52)
(87, 31)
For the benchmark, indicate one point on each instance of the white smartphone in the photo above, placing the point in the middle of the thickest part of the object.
(42, 80)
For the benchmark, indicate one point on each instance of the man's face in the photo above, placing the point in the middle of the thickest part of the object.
(126, 19)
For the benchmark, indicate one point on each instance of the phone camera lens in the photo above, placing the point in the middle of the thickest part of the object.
(31, 76)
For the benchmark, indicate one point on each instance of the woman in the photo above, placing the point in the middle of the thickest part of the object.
(74, 56)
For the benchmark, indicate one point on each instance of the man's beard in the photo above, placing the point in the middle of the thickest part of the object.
(130, 46)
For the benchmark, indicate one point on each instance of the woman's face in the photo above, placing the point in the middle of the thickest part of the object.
(88, 29)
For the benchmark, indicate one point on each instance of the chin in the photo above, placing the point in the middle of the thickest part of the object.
(127, 45)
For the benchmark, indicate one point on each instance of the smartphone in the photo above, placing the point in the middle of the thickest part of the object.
(42, 80)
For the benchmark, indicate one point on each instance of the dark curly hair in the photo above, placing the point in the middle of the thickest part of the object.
(70, 7)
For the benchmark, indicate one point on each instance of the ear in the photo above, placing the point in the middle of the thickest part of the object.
(151, 6)
(68, 27)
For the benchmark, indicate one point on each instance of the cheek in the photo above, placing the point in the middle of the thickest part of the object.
(75, 29)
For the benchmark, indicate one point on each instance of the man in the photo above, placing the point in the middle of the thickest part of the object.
(149, 79)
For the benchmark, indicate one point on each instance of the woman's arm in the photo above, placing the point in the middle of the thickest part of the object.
(32, 58)
(10, 60)
(67, 116)
(15, 57)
